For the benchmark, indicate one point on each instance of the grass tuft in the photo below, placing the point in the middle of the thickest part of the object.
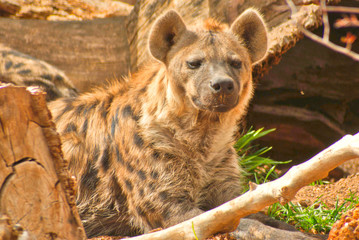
(257, 168)
(316, 218)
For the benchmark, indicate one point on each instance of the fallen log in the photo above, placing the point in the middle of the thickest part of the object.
(226, 217)
(37, 196)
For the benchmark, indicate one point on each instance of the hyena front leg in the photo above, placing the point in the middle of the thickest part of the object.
(224, 185)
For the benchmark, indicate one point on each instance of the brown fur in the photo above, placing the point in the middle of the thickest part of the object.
(156, 149)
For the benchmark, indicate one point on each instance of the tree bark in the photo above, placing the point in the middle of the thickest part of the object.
(36, 189)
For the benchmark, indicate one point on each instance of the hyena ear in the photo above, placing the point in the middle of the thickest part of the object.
(251, 29)
(165, 33)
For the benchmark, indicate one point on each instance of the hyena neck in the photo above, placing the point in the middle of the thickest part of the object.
(168, 115)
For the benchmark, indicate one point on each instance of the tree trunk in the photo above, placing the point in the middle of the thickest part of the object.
(36, 189)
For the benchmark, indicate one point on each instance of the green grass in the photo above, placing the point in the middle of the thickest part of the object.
(258, 168)
(317, 218)
(194, 232)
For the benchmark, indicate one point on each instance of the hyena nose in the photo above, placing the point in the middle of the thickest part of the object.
(222, 85)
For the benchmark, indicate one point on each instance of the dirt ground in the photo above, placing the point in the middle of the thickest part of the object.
(330, 193)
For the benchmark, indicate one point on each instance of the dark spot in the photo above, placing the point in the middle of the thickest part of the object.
(109, 100)
(18, 65)
(142, 90)
(197, 3)
(127, 111)
(47, 76)
(89, 179)
(45, 86)
(119, 156)
(208, 186)
(68, 107)
(117, 191)
(140, 211)
(141, 192)
(91, 107)
(169, 156)
(141, 174)
(163, 195)
(154, 174)
(128, 185)
(71, 220)
(71, 127)
(149, 206)
(129, 167)
(151, 185)
(225, 160)
(156, 155)
(84, 127)
(138, 140)
(96, 153)
(8, 65)
(114, 123)
(59, 78)
(181, 199)
(105, 159)
(113, 126)
(24, 72)
(166, 213)
(211, 37)
(230, 151)
(79, 109)
(157, 224)
(231, 179)
(103, 110)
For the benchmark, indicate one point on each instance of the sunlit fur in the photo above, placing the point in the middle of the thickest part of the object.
(144, 154)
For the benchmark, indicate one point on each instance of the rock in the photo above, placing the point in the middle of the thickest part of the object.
(64, 9)
(347, 227)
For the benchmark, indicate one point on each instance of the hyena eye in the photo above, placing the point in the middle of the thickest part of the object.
(194, 64)
(235, 64)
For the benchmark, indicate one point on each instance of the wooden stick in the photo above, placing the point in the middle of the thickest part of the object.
(325, 40)
(226, 217)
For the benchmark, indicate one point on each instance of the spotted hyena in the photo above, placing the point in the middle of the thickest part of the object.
(156, 149)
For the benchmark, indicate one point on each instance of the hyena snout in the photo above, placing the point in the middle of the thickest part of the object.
(223, 86)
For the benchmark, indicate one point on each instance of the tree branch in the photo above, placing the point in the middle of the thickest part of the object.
(325, 40)
(226, 217)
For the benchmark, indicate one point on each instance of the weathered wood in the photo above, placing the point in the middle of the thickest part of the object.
(64, 9)
(89, 52)
(36, 190)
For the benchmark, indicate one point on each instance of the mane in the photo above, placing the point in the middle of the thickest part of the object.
(213, 25)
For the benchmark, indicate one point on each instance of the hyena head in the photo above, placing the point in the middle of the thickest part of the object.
(210, 65)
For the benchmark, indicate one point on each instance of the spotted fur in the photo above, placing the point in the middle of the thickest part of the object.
(24, 70)
(156, 149)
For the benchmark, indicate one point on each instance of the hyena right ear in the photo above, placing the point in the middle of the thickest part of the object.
(165, 33)
(251, 29)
